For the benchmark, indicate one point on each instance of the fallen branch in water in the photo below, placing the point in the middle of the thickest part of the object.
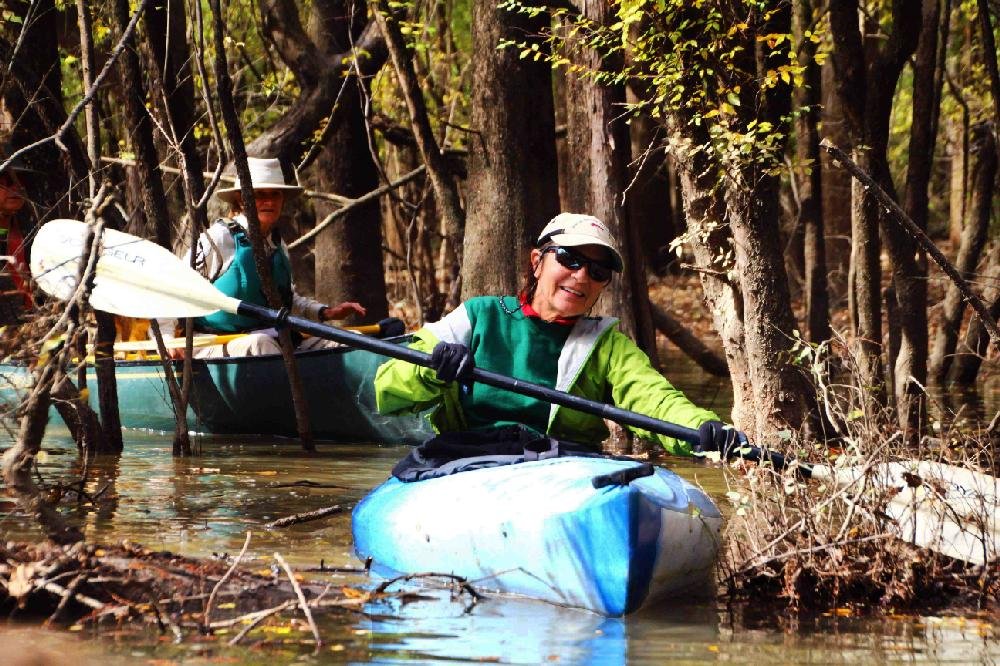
(305, 517)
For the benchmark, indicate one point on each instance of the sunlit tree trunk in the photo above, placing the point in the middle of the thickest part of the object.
(733, 226)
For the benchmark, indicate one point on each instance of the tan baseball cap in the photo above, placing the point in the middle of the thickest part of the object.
(575, 229)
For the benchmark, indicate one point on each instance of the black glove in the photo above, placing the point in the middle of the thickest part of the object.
(453, 361)
(391, 327)
(717, 436)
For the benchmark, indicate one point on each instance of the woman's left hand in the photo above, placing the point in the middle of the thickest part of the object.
(341, 311)
(717, 436)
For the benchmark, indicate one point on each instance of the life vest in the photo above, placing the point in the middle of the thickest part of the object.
(15, 297)
(241, 280)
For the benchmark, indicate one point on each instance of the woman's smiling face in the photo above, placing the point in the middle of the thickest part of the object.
(563, 292)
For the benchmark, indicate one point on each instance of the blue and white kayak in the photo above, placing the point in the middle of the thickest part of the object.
(542, 530)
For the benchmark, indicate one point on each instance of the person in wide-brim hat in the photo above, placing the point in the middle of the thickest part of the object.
(225, 256)
(265, 174)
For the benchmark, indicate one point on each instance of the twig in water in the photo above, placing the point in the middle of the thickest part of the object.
(305, 517)
(67, 595)
(256, 619)
(302, 598)
(211, 597)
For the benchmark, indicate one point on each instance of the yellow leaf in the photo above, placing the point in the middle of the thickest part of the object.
(226, 605)
(352, 593)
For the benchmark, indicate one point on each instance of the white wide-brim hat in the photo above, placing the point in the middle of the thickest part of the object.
(574, 229)
(265, 174)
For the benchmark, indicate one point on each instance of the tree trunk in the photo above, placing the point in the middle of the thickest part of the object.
(971, 353)
(153, 208)
(705, 213)
(33, 94)
(512, 188)
(910, 367)
(349, 258)
(597, 145)
(168, 43)
(866, 77)
(835, 189)
(18, 461)
(648, 200)
(970, 249)
(808, 98)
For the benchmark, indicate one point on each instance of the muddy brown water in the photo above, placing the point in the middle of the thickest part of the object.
(203, 506)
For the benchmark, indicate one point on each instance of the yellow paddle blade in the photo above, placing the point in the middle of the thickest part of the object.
(134, 277)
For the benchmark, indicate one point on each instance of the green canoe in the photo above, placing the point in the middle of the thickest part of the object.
(250, 395)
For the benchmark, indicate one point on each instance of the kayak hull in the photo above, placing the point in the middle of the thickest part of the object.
(251, 395)
(541, 530)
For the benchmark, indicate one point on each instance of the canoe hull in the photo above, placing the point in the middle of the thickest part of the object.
(241, 396)
(541, 530)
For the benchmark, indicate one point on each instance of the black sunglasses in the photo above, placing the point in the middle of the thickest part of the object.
(567, 258)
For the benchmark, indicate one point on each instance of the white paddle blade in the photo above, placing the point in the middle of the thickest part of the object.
(952, 510)
(134, 277)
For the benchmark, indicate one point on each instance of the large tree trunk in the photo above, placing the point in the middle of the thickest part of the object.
(733, 226)
(349, 258)
(512, 188)
(597, 145)
(705, 213)
(970, 249)
(779, 390)
(648, 201)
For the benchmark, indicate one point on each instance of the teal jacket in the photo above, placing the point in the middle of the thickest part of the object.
(590, 358)
(241, 280)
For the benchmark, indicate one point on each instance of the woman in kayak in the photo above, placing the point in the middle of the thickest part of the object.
(544, 336)
(224, 255)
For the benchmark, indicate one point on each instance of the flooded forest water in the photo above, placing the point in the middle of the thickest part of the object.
(203, 506)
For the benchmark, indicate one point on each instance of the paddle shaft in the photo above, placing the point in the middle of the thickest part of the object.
(561, 398)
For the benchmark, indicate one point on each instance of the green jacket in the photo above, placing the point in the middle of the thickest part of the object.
(595, 361)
